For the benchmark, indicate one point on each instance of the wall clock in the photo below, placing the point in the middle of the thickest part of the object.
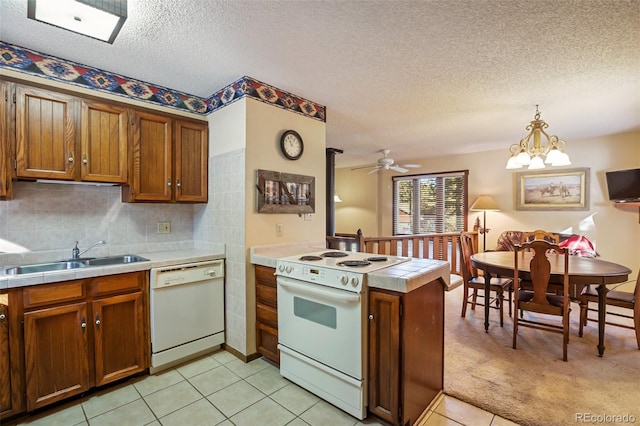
(291, 145)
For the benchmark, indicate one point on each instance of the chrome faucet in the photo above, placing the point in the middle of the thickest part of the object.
(76, 253)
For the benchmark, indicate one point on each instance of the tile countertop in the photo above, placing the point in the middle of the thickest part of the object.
(403, 277)
(156, 260)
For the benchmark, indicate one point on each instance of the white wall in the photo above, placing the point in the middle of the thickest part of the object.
(617, 230)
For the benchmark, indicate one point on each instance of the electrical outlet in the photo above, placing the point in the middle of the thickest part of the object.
(307, 216)
(164, 227)
(278, 229)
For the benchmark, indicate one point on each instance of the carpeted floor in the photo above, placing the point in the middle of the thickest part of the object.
(531, 385)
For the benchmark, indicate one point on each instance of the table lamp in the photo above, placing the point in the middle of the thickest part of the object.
(484, 204)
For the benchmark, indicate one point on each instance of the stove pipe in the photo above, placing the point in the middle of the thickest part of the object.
(331, 189)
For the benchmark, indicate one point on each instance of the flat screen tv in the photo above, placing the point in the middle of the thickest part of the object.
(624, 185)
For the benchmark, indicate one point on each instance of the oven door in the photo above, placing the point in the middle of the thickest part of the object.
(322, 323)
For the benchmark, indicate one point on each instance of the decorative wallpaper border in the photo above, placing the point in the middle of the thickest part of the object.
(31, 62)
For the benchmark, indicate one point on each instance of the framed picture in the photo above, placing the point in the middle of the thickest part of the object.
(285, 193)
(553, 189)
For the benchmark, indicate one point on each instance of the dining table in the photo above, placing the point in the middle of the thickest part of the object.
(582, 271)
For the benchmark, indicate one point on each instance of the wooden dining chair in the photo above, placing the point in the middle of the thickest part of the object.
(619, 299)
(540, 234)
(538, 300)
(474, 283)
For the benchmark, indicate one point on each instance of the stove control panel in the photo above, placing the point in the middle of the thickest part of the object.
(330, 277)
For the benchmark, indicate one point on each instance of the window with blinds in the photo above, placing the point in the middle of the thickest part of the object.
(430, 203)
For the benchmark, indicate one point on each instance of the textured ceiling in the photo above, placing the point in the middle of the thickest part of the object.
(422, 78)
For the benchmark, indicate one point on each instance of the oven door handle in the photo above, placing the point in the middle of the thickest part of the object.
(324, 294)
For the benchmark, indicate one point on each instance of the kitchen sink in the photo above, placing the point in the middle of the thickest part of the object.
(114, 260)
(74, 264)
(44, 267)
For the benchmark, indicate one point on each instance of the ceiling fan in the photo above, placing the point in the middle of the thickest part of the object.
(387, 163)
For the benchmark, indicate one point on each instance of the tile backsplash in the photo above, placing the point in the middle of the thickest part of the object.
(43, 221)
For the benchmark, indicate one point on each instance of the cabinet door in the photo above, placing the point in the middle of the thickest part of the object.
(384, 355)
(5, 176)
(119, 337)
(267, 313)
(152, 159)
(5, 358)
(45, 134)
(191, 161)
(104, 142)
(56, 354)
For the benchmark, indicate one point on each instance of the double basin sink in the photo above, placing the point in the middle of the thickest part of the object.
(74, 264)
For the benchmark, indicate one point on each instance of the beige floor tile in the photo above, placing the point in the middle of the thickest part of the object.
(172, 398)
(436, 419)
(462, 412)
(264, 413)
(295, 399)
(235, 398)
(372, 421)
(213, 380)
(268, 380)
(135, 413)
(106, 401)
(499, 421)
(223, 357)
(156, 382)
(297, 422)
(68, 416)
(198, 366)
(200, 413)
(323, 413)
(245, 370)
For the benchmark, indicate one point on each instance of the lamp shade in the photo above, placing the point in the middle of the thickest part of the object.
(485, 203)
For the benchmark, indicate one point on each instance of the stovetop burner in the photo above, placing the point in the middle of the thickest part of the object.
(334, 254)
(309, 258)
(354, 263)
(377, 259)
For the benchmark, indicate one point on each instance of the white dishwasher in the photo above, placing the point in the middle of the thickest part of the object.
(187, 312)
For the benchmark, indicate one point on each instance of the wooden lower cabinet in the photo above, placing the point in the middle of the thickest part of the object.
(406, 351)
(90, 336)
(267, 313)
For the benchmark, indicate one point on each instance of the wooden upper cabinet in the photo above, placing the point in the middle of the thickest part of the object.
(45, 134)
(104, 142)
(5, 176)
(151, 157)
(191, 161)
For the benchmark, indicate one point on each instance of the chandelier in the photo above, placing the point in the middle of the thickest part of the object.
(524, 154)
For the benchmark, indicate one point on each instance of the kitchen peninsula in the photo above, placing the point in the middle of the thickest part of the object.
(402, 325)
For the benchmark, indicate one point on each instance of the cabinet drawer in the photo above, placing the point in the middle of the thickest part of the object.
(267, 315)
(267, 295)
(265, 275)
(51, 294)
(112, 284)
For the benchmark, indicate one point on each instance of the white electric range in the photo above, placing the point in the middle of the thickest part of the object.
(322, 314)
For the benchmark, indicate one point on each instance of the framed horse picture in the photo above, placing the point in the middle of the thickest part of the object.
(553, 189)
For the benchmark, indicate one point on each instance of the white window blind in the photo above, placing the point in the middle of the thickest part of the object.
(430, 203)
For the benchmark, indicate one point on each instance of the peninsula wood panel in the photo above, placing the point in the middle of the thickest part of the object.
(45, 134)
(5, 356)
(267, 313)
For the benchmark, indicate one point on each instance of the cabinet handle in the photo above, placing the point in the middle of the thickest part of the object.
(371, 316)
(84, 159)
(178, 184)
(2, 317)
(169, 183)
(83, 323)
(70, 159)
(98, 321)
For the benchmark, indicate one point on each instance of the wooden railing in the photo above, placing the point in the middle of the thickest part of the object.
(444, 247)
